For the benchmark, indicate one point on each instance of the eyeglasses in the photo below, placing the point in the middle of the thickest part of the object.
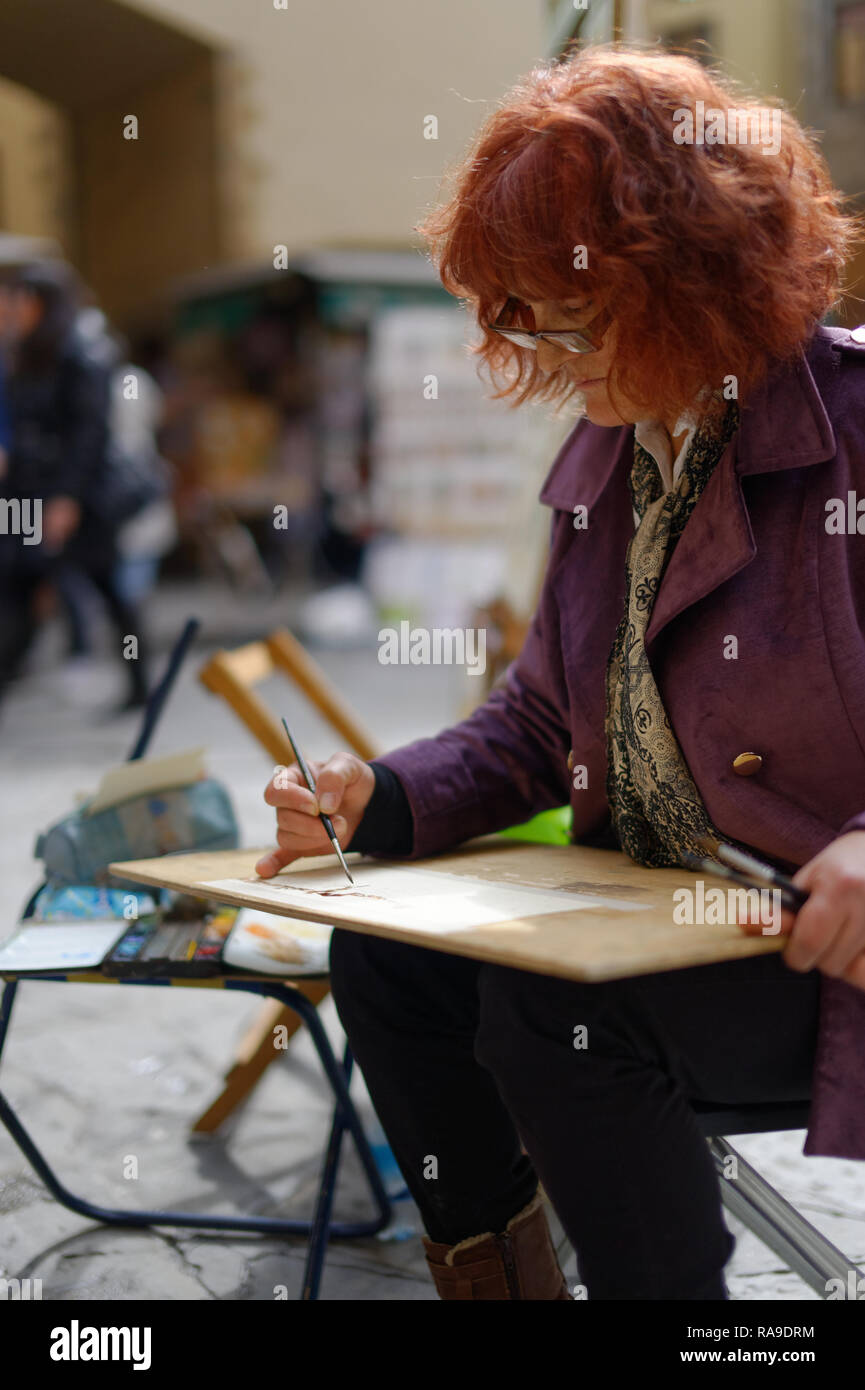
(571, 339)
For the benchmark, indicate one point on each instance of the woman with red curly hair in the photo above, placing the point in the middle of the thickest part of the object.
(632, 242)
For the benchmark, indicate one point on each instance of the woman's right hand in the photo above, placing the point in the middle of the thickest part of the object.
(344, 786)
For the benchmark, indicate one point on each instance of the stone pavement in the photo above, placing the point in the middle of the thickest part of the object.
(103, 1075)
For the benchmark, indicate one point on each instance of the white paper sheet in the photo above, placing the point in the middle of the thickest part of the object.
(146, 775)
(437, 903)
(60, 946)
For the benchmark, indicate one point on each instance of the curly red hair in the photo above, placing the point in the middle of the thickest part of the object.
(715, 259)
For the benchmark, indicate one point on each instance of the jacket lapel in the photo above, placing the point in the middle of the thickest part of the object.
(716, 543)
(784, 426)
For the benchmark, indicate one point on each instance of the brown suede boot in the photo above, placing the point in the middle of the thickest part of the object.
(518, 1263)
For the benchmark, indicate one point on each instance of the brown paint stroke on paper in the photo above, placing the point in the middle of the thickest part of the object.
(346, 892)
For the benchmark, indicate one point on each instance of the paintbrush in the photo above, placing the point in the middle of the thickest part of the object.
(736, 861)
(325, 820)
(710, 866)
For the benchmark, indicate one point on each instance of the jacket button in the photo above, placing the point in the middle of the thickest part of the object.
(747, 764)
(571, 761)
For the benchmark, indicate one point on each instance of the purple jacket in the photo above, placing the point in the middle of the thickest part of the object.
(755, 561)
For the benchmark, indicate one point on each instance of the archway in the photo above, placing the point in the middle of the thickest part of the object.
(141, 210)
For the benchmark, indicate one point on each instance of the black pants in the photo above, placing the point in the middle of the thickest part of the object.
(127, 620)
(18, 624)
(464, 1060)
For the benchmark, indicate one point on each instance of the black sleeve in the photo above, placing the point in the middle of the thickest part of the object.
(386, 826)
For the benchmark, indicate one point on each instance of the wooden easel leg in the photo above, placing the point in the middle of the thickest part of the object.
(255, 1053)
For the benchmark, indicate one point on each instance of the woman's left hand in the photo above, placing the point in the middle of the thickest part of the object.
(828, 931)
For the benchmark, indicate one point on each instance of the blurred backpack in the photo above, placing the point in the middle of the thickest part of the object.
(78, 848)
(134, 474)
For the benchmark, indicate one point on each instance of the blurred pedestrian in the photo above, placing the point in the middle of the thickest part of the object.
(4, 409)
(60, 465)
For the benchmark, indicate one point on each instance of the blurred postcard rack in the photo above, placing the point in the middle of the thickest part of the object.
(341, 390)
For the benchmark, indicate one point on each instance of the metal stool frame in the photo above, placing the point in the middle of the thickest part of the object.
(320, 1229)
(756, 1203)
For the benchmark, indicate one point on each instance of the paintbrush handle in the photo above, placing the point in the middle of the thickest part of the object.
(737, 859)
(791, 897)
(299, 758)
(310, 782)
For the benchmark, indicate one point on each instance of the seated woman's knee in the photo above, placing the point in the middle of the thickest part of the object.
(516, 1006)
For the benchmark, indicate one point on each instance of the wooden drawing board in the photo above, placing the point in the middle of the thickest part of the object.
(595, 942)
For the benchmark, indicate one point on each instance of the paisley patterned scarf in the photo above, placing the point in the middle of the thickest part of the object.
(656, 808)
